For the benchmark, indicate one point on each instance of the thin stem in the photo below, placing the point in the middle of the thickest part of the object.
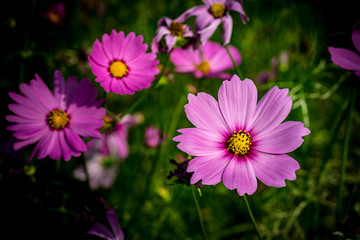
(87, 178)
(345, 154)
(251, 216)
(199, 212)
(234, 63)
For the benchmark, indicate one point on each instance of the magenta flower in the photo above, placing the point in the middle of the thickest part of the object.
(56, 14)
(100, 230)
(210, 60)
(237, 140)
(345, 58)
(210, 16)
(56, 120)
(154, 137)
(174, 34)
(121, 64)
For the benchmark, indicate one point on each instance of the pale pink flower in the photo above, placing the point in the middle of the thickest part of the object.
(237, 140)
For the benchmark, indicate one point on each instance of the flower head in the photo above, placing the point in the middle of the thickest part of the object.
(211, 15)
(121, 64)
(56, 14)
(237, 140)
(173, 32)
(56, 120)
(154, 137)
(210, 60)
(345, 58)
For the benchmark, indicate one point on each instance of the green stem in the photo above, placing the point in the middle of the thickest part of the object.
(345, 154)
(199, 212)
(251, 216)
(234, 63)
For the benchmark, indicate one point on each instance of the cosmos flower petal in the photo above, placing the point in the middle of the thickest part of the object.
(271, 110)
(98, 55)
(74, 140)
(237, 101)
(107, 46)
(239, 174)
(204, 112)
(284, 138)
(35, 105)
(114, 224)
(191, 12)
(236, 6)
(183, 60)
(227, 29)
(207, 32)
(53, 146)
(59, 89)
(66, 150)
(221, 61)
(356, 38)
(202, 20)
(209, 169)
(199, 142)
(100, 230)
(272, 169)
(115, 39)
(345, 58)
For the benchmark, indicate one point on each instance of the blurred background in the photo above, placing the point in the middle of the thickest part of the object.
(284, 43)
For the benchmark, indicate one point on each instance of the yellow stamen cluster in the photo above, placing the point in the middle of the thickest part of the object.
(239, 143)
(57, 119)
(203, 67)
(176, 29)
(118, 69)
(217, 10)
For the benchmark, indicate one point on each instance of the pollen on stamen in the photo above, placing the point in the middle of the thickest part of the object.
(57, 119)
(118, 69)
(239, 143)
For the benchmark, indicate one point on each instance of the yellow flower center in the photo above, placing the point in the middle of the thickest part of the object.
(176, 29)
(239, 143)
(203, 67)
(57, 119)
(55, 18)
(118, 69)
(217, 10)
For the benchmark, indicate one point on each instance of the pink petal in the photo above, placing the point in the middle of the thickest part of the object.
(203, 19)
(271, 110)
(236, 6)
(191, 12)
(227, 29)
(66, 150)
(272, 170)
(200, 142)
(59, 89)
(209, 169)
(97, 55)
(203, 111)
(107, 46)
(356, 38)
(239, 174)
(221, 60)
(34, 104)
(284, 138)
(345, 58)
(75, 142)
(114, 223)
(100, 230)
(183, 60)
(24, 112)
(207, 32)
(116, 40)
(237, 101)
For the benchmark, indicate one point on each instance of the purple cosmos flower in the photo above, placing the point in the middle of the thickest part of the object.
(345, 58)
(56, 120)
(154, 137)
(210, 60)
(121, 64)
(100, 230)
(237, 140)
(56, 14)
(173, 32)
(209, 17)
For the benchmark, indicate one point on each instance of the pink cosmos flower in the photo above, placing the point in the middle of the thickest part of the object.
(237, 140)
(102, 170)
(154, 137)
(210, 60)
(345, 58)
(121, 64)
(56, 120)
(210, 16)
(113, 142)
(56, 14)
(173, 32)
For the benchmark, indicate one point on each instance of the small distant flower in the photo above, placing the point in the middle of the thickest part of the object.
(210, 60)
(345, 58)
(154, 137)
(102, 170)
(113, 233)
(56, 14)
(121, 64)
(56, 120)
(264, 76)
(237, 140)
(174, 34)
(210, 16)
